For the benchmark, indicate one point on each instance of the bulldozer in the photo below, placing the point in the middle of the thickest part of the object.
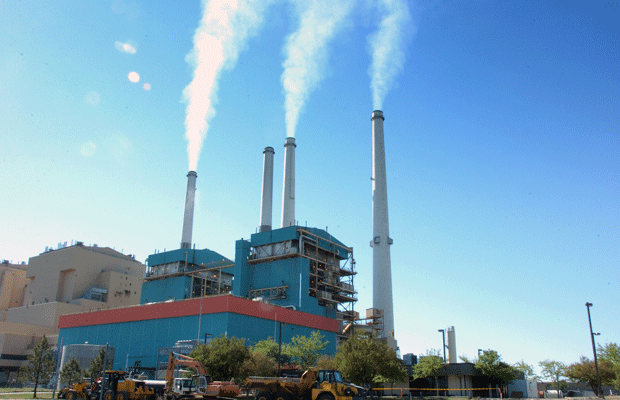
(199, 386)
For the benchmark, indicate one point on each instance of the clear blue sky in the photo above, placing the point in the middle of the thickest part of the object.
(502, 140)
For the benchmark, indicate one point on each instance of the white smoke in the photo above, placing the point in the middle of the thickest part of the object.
(387, 47)
(306, 52)
(222, 34)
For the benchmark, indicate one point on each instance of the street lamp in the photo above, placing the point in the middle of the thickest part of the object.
(443, 335)
(592, 334)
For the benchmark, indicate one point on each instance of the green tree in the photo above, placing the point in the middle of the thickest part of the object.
(304, 350)
(428, 365)
(527, 369)
(40, 365)
(268, 347)
(553, 370)
(585, 371)
(258, 364)
(96, 365)
(490, 364)
(611, 353)
(326, 362)
(71, 372)
(363, 360)
(223, 357)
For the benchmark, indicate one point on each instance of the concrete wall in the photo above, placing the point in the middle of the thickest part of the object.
(12, 285)
(69, 273)
(45, 315)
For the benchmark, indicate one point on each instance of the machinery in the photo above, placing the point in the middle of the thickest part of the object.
(313, 385)
(198, 386)
(78, 390)
(116, 387)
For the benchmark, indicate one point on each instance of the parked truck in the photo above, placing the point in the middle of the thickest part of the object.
(313, 385)
(199, 385)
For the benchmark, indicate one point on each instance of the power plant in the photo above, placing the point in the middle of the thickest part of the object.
(296, 279)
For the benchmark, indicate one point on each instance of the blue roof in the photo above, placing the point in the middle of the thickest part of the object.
(205, 257)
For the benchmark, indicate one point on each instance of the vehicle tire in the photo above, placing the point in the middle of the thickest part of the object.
(122, 396)
(325, 396)
(263, 396)
(281, 396)
(71, 395)
(109, 395)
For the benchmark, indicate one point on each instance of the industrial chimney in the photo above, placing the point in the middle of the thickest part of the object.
(451, 346)
(288, 189)
(267, 193)
(188, 219)
(381, 241)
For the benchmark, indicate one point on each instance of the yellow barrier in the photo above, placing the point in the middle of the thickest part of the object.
(434, 390)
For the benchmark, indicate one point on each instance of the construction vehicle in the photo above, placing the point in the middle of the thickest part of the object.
(79, 390)
(313, 385)
(199, 385)
(115, 387)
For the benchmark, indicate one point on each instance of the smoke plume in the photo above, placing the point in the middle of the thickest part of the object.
(306, 52)
(222, 34)
(387, 47)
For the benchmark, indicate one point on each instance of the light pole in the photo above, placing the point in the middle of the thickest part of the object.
(592, 334)
(279, 346)
(443, 342)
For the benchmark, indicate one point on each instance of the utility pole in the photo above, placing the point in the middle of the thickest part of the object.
(592, 334)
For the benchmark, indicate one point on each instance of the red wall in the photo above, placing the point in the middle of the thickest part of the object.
(210, 305)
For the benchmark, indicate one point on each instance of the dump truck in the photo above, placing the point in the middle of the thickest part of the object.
(313, 385)
(199, 385)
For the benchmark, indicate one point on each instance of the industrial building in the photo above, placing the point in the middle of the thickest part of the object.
(289, 281)
(66, 280)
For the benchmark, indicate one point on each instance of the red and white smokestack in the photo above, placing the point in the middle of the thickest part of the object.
(288, 189)
(188, 218)
(266, 202)
(381, 241)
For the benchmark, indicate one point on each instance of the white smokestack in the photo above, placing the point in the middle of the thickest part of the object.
(451, 346)
(188, 218)
(381, 263)
(288, 187)
(267, 193)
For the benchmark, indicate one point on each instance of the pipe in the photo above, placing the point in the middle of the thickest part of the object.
(288, 187)
(266, 202)
(188, 218)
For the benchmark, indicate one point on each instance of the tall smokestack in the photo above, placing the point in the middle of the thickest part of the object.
(288, 188)
(451, 346)
(381, 241)
(188, 218)
(266, 202)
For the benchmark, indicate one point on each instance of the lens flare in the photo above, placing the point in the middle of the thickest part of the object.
(133, 77)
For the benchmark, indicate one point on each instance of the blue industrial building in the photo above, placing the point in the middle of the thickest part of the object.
(296, 279)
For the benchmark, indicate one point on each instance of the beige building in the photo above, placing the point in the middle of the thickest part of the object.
(12, 284)
(68, 280)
